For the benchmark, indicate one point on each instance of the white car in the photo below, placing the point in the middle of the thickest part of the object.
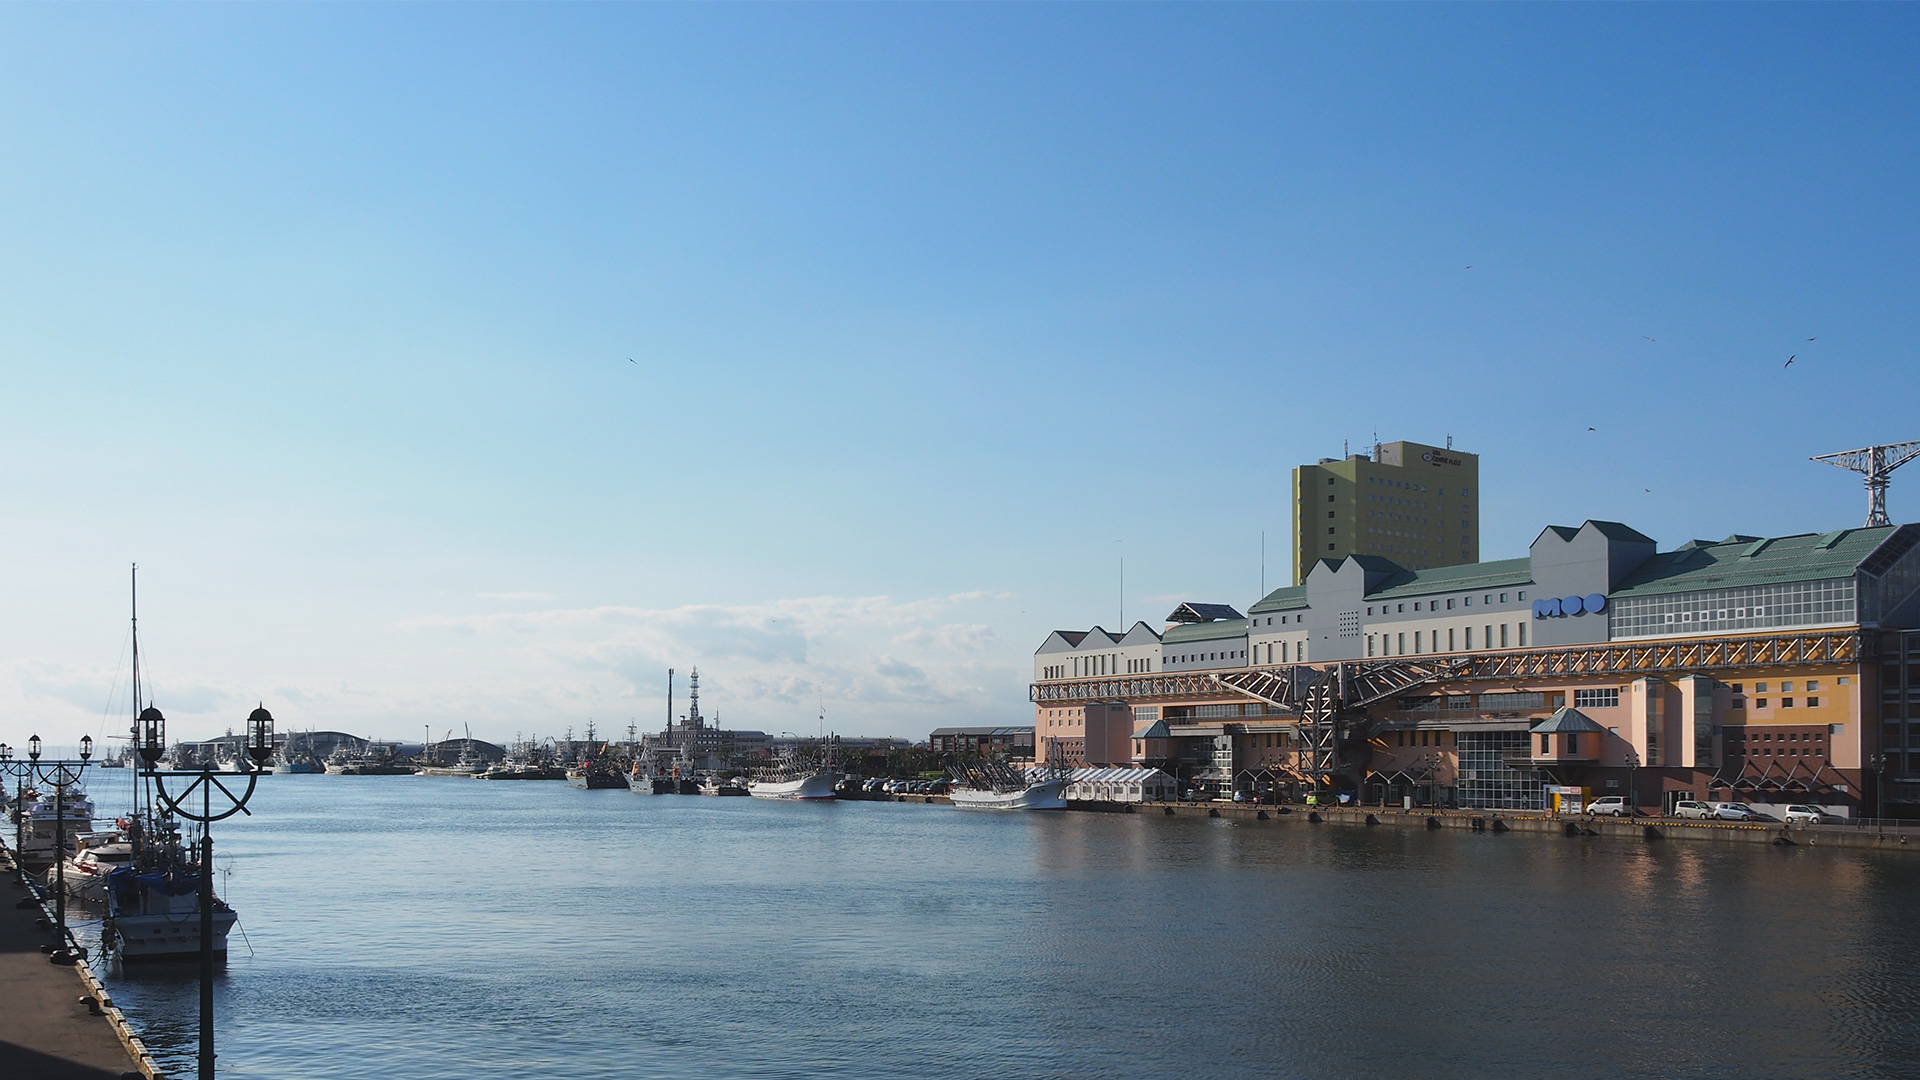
(1616, 805)
(1802, 814)
(1687, 808)
(1733, 811)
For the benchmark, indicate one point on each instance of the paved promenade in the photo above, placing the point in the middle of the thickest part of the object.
(47, 1032)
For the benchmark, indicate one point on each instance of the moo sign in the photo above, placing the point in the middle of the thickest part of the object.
(1570, 605)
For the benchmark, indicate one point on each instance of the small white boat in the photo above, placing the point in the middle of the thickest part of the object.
(1039, 795)
(85, 872)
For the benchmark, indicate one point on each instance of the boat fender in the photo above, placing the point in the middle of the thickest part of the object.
(1126, 808)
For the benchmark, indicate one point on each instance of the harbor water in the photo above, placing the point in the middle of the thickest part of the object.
(433, 927)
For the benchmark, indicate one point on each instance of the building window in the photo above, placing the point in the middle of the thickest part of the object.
(1760, 703)
(1606, 698)
(1403, 644)
(1813, 703)
(1521, 629)
(1786, 703)
(1503, 635)
(1786, 686)
(1760, 688)
(1449, 603)
(1813, 684)
(1503, 598)
(1469, 639)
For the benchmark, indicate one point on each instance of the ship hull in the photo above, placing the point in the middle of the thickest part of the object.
(818, 786)
(1045, 795)
(174, 936)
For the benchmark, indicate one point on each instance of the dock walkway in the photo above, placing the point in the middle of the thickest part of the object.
(47, 1029)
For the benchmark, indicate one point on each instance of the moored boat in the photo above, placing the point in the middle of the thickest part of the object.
(85, 872)
(1039, 795)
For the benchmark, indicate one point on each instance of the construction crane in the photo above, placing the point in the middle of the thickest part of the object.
(1877, 464)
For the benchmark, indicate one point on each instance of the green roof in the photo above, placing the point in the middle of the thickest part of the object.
(1464, 578)
(1205, 631)
(1741, 561)
(1291, 598)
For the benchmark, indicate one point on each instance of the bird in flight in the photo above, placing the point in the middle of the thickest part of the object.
(1589, 429)
(1790, 360)
(1648, 338)
(1647, 490)
(631, 360)
(1813, 339)
(1469, 267)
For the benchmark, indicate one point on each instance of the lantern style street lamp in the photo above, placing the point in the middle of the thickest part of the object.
(60, 774)
(206, 780)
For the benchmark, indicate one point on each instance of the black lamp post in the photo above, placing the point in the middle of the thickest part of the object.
(1633, 785)
(153, 741)
(1878, 762)
(60, 774)
(18, 770)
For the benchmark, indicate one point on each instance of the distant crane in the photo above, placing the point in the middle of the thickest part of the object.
(1876, 463)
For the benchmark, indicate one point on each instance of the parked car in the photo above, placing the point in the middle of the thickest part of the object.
(1687, 808)
(1733, 811)
(1802, 814)
(1615, 805)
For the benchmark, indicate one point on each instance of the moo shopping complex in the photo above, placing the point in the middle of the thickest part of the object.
(1756, 669)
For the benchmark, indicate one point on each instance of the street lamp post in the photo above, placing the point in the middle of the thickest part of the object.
(61, 774)
(204, 781)
(1633, 785)
(18, 770)
(1879, 764)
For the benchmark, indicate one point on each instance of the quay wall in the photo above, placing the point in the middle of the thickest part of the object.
(1637, 830)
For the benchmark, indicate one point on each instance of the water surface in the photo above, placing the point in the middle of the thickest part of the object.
(426, 927)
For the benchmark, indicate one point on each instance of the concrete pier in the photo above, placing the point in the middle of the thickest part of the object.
(56, 1021)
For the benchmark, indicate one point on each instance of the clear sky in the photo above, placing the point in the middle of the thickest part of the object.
(474, 364)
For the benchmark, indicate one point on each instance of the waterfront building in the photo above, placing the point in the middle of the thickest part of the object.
(1782, 669)
(1415, 504)
(1014, 742)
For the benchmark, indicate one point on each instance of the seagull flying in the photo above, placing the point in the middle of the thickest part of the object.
(1790, 360)
(1589, 429)
(1648, 338)
(1813, 339)
(631, 360)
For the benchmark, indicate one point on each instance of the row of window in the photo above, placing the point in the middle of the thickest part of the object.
(1396, 644)
(1434, 605)
(1599, 698)
(1801, 603)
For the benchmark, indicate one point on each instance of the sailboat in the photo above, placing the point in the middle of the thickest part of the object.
(153, 900)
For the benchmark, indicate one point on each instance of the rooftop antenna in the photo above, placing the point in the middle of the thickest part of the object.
(1263, 562)
(1876, 463)
(1346, 449)
(1449, 441)
(1123, 585)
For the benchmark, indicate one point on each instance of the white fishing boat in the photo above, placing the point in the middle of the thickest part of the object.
(1039, 795)
(799, 775)
(85, 872)
(40, 822)
(815, 785)
(156, 915)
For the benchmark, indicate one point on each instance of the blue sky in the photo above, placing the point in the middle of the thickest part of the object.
(323, 315)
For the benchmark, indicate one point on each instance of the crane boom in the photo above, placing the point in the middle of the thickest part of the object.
(1876, 463)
